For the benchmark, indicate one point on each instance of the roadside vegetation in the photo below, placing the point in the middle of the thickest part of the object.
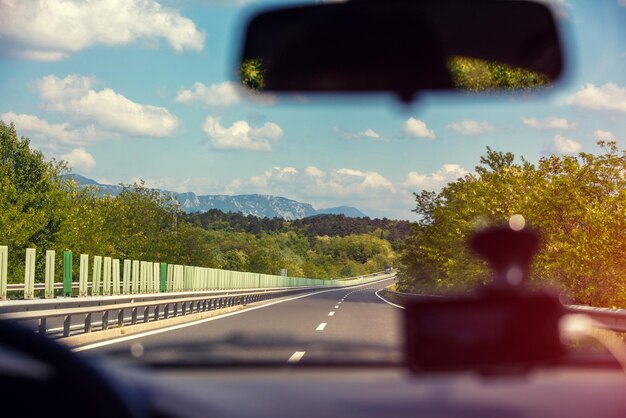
(41, 207)
(577, 204)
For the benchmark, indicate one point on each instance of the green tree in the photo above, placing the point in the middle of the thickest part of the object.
(31, 199)
(577, 203)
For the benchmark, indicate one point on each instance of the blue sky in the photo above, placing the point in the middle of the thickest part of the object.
(140, 89)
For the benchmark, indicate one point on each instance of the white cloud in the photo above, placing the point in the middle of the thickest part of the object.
(600, 134)
(240, 135)
(38, 128)
(363, 180)
(446, 174)
(610, 96)
(79, 159)
(54, 29)
(226, 93)
(564, 145)
(367, 133)
(314, 184)
(370, 133)
(75, 95)
(220, 94)
(550, 122)
(314, 172)
(471, 127)
(418, 128)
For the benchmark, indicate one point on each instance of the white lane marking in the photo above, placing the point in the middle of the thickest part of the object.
(339, 302)
(336, 306)
(321, 327)
(295, 357)
(331, 313)
(386, 301)
(200, 321)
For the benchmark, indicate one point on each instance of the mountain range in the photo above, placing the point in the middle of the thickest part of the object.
(247, 204)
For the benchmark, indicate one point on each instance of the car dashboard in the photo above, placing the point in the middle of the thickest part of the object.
(375, 391)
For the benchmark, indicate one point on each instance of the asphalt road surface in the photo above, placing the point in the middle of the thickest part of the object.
(349, 324)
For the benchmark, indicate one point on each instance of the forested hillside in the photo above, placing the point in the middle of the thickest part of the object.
(319, 225)
(577, 204)
(41, 207)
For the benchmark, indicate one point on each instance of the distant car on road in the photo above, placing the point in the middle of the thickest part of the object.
(387, 269)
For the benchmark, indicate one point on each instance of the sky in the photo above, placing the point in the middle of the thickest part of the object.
(128, 90)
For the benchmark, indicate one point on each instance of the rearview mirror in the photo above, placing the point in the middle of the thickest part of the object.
(402, 47)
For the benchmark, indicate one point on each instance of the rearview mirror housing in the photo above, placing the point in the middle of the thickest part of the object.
(396, 46)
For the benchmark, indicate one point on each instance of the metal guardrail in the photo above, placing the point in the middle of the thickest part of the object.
(147, 311)
(608, 318)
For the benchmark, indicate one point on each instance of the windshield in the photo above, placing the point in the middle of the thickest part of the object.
(135, 168)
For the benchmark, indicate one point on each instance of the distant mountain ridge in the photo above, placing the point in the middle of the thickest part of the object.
(247, 204)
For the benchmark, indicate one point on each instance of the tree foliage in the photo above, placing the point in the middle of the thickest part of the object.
(577, 203)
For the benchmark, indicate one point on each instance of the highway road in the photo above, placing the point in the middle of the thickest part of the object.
(333, 324)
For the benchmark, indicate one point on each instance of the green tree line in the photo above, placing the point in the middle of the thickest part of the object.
(576, 203)
(394, 231)
(43, 208)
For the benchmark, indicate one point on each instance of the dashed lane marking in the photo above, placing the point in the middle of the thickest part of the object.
(295, 357)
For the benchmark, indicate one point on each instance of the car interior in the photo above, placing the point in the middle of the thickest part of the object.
(497, 350)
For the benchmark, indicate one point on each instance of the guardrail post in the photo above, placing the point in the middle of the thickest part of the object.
(67, 273)
(88, 323)
(29, 274)
(105, 320)
(67, 325)
(49, 289)
(116, 277)
(4, 262)
(97, 274)
(84, 275)
(163, 268)
(106, 277)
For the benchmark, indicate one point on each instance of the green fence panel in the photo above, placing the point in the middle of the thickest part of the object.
(68, 271)
(163, 269)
